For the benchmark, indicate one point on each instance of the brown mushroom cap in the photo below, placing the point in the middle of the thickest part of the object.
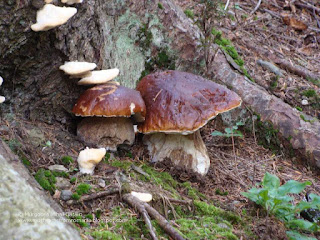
(110, 100)
(180, 102)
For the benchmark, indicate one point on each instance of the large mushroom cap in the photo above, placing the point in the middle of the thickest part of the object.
(180, 102)
(110, 100)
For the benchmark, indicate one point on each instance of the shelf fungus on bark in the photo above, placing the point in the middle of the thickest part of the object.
(51, 16)
(178, 104)
(99, 77)
(89, 158)
(109, 112)
(77, 69)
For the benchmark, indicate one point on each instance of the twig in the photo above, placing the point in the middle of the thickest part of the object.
(256, 8)
(308, 6)
(110, 191)
(137, 204)
(227, 4)
(139, 170)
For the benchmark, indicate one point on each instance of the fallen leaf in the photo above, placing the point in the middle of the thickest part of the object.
(294, 23)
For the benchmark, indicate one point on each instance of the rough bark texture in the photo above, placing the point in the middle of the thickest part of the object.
(109, 33)
(25, 213)
(303, 135)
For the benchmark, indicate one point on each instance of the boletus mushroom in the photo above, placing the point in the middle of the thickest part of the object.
(178, 105)
(108, 109)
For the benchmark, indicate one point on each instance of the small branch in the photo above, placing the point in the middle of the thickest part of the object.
(308, 6)
(137, 204)
(139, 170)
(256, 8)
(110, 191)
(227, 4)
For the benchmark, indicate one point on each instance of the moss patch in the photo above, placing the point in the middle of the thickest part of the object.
(46, 180)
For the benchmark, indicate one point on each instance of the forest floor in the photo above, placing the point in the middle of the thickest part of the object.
(235, 167)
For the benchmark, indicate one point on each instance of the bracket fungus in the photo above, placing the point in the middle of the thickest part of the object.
(77, 68)
(51, 16)
(178, 104)
(108, 109)
(99, 77)
(89, 158)
(2, 98)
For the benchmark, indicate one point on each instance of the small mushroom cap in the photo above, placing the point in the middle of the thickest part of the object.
(144, 197)
(77, 68)
(51, 16)
(69, 2)
(99, 77)
(89, 158)
(110, 100)
(2, 99)
(1, 80)
(180, 102)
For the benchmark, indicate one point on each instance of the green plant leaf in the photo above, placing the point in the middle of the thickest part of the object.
(293, 186)
(217, 133)
(302, 225)
(270, 181)
(293, 235)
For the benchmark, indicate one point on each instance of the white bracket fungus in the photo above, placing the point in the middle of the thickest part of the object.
(99, 77)
(1, 80)
(69, 2)
(51, 16)
(2, 99)
(144, 197)
(77, 68)
(89, 158)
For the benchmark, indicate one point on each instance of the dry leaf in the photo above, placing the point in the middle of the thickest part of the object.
(294, 23)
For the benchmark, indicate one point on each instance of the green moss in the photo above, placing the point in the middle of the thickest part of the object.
(26, 162)
(83, 188)
(189, 13)
(192, 192)
(79, 221)
(46, 180)
(60, 174)
(274, 84)
(67, 160)
(160, 6)
(145, 37)
(73, 180)
(299, 109)
(107, 157)
(314, 81)
(75, 196)
(310, 93)
(267, 136)
(105, 235)
(89, 216)
(120, 164)
(221, 193)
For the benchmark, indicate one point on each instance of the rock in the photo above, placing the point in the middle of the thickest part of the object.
(62, 183)
(101, 183)
(65, 195)
(304, 102)
(58, 168)
(223, 225)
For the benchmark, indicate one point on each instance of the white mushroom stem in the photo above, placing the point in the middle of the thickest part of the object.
(144, 197)
(188, 151)
(77, 68)
(2, 99)
(89, 158)
(99, 77)
(69, 2)
(51, 16)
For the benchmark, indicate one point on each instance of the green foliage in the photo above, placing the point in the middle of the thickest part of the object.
(67, 160)
(230, 132)
(160, 6)
(274, 198)
(267, 135)
(83, 188)
(314, 81)
(189, 13)
(73, 180)
(75, 196)
(25, 161)
(107, 157)
(299, 109)
(310, 93)
(105, 235)
(46, 180)
(221, 193)
(60, 174)
(144, 37)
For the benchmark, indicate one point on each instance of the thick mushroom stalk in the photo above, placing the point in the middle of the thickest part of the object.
(178, 105)
(89, 158)
(188, 151)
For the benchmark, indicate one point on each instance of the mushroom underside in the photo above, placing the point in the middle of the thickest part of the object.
(106, 132)
(188, 151)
